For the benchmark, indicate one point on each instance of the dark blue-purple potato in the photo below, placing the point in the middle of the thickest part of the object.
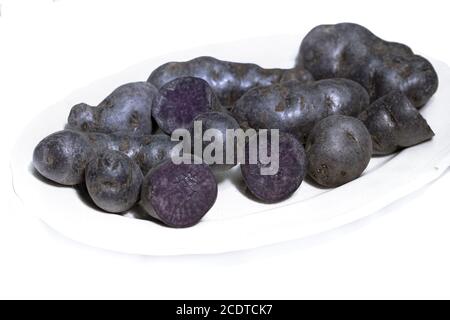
(62, 157)
(181, 100)
(296, 107)
(220, 121)
(113, 181)
(348, 50)
(154, 150)
(291, 172)
(127, 109)
(230, 80)
(146, 150)
(394, 123)
(338, 149)
(130, 145)
(179, 195)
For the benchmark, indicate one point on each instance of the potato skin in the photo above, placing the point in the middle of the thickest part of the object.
(126, 110)
(296, 107)
(147, 151)
(220, 121)
(230, 80)
(113, 181)
(154, 150)
(348, 50)
(339, 149)
(394, 123)
(129, 145)
(62, 157)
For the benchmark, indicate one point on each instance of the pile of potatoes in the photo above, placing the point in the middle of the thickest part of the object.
(350, 95)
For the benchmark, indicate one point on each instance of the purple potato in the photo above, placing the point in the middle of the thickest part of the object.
(291, 172)
(296, 107)
(220, 121)
(348, 50)
(147, 151)
(62, 157)
(181, 100)
(338, 149)
(127, 110)
(394, 123)
(230, 80)
(113, 181)
(154, 150)
(179, 195)
(129, 145)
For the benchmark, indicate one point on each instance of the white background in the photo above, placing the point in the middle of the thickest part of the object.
(49, 48)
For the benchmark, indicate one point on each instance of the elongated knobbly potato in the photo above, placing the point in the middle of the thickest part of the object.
(147, 151)
(295, 107)
(128, 109)
(230, 80)
(348, 50)
(63, 156)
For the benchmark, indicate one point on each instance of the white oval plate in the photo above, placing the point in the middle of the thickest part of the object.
(235, 222)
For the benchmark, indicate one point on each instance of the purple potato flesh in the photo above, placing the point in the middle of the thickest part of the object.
(348, 50)
(179, 195)
(338, 149)
(230, 80)
(181, 100)
(394, 123)
(291, 172)
(296, 107)
(113, 181)
(126, 110)
(62, 157)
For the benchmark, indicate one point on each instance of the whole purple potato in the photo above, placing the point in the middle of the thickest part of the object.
(181, 100)
(348, 50)
(291, 172)
(153, 150)
(129, 145)
(147, 151)
(179, 195)
(394, 123)
(339, 149)
(296, 107)
(62, 157)
(113, 181)
(221, 122)
(230, 80)
(127, 109)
